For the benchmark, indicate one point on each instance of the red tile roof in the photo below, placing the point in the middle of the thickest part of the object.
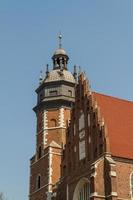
(118, 116)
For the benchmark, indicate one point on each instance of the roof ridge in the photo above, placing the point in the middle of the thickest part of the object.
(109, 96)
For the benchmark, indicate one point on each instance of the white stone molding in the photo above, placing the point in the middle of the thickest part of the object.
(112, 173)
(131, 185)
(50, 170)
(93, 194)
(45, 127)
(93, 174)
(112, 194)
(61, 118)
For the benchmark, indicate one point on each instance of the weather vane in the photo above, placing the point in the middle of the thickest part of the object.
(60, 38)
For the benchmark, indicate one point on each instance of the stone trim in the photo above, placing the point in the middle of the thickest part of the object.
(50, 170)
(61, 117)
(95, 164)
(54, 153)
(93, 174)
(112, 173)
(112, 194)
(120, 198)
(93, 194)
(45, 125)
(125, 160)
(56, 127)
(39, 189)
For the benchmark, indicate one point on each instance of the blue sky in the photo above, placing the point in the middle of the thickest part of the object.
(98, 36)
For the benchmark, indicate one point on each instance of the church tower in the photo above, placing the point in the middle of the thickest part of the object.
(55, 97)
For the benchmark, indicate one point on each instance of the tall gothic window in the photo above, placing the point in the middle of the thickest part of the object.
(38, 182)
(84, 192)
(131, 185)
(39, 152)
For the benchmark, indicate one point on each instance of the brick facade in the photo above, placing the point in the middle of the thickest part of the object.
(108, 176)
(81, 149)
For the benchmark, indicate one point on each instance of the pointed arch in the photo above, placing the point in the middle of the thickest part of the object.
(82, 190)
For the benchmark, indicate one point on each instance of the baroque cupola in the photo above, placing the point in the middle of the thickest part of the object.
(60, 57)
(57, 85)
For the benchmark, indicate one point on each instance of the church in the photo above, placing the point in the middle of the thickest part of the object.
(84, 139)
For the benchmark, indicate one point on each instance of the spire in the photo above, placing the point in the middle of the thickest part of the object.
(75, 72)
(60, 40)
(40, 78)
(47, 70)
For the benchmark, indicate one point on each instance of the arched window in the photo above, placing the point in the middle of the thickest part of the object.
(38, 182)
(53, 123)
(69, 93)
(131, 179)
(82, 190)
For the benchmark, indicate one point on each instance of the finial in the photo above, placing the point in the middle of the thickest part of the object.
(79, 72)
(47, 70)
(40, 78)
(75, 72)
(60, 38)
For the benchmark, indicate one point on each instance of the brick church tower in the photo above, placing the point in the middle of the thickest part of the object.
(55, 97)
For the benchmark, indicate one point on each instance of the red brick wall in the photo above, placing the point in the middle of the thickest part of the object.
(123, 172)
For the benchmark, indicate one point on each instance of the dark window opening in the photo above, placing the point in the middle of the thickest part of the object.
(95, 153)
(100, 134)
(38, 182)
(41, 96)
(64, 169)
(53, 93)
(39, 152)
(70, 93)
(53, 123)
(100, 148)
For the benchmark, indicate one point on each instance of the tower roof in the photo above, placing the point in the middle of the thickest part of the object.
(60, 51)
(58, 75)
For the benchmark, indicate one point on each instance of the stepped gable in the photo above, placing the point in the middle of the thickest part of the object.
(118, 116)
